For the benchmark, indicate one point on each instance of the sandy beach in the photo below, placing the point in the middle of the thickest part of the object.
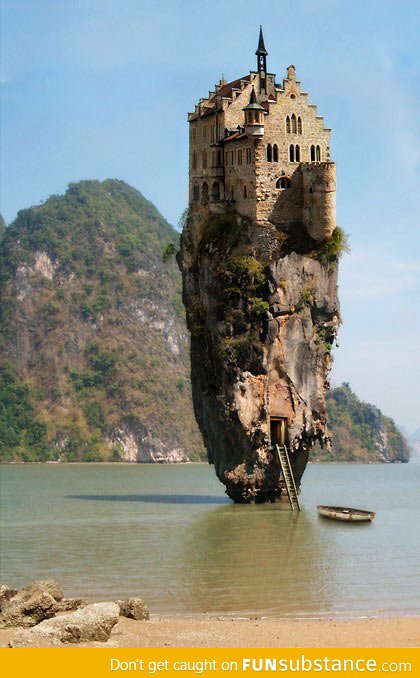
(205, 632)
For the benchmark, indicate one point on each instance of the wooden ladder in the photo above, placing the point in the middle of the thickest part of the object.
(288, 477)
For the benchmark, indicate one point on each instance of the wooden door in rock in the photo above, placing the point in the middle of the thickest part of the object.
(278, 431)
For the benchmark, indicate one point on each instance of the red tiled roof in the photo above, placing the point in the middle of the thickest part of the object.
(234, 137)
(226, 90)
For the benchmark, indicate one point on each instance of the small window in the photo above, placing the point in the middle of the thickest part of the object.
(294, 125)
(245, 191)
(299, 125)
(248, 156)
(204, 159)
(194, 160)
(288, 125)
(312, 153)
(269, 153)
(219, 157)
(291, 153)
(297, 153)
(239, 156)
(215, 190)
(318, 153)
(196, 192)
(205, 192)
(275, 153)
(283, 183)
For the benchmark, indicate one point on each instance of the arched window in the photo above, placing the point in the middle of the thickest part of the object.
(245, 191)
(291, 153)
(283, 182)
(204, 159)
(297, 153)
(294, 127)
(196, 192)
(219, 157)
(194, 160)
(205, 192)
(312, 153)
(275, 153)
(299, 125)
(318, 153)
(288, 125)
(269, 153)
(215, 190)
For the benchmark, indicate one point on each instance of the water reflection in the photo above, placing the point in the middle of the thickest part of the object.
(257, 560)
(153, 498)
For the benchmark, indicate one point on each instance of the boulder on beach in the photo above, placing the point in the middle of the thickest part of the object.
(91, 623)
(30, 605)
(6, 593)
(134, 608)
(72, 604)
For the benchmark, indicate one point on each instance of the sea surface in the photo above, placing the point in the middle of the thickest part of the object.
(168, 534)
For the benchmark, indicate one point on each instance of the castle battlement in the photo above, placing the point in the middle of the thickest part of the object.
(262, 147)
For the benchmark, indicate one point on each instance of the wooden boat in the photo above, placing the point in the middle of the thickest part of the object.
(345, 514)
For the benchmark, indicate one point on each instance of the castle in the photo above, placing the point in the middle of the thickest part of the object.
(261, 147)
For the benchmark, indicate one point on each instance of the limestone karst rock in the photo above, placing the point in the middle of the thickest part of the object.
(263, 313)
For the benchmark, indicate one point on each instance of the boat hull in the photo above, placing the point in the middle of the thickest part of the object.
(344, 514)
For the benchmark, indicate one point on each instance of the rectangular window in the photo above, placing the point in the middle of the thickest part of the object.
(239, 156)
(248, 156)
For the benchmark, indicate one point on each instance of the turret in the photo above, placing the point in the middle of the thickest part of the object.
(254, 117)
(319, 187)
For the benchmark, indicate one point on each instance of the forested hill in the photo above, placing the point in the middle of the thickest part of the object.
(94, 361)
(94, 349)
(360, 432)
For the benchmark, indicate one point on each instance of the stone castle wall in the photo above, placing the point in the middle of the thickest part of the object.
(241, 171)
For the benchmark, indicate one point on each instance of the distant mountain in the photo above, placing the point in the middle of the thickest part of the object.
(414, 441)
(360, 432)
(93, 347)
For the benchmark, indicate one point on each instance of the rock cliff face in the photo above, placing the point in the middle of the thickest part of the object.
(263, 313)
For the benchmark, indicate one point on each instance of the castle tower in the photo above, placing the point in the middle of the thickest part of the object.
(260, 146)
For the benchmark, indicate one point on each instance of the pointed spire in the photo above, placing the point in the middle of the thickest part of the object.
(261, 47)
(253, 103)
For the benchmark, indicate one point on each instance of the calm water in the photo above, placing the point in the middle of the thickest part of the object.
(169, 535)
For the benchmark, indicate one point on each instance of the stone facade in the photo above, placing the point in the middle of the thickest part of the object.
(278, 171)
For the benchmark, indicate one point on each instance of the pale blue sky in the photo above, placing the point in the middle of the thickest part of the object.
(101, 88)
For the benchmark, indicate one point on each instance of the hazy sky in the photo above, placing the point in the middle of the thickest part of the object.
(101, 88)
